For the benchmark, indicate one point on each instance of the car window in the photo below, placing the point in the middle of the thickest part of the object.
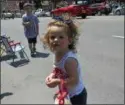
(116, 6)
(81, 2)
(95, 5)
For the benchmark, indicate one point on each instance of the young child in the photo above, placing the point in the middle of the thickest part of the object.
(31, 27)
(61, 38)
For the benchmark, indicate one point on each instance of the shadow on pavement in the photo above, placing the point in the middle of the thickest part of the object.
(5, 94)
(7, 57)
(19, 63)
(41, 55)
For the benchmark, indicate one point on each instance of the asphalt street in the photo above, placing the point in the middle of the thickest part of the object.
(100, 52)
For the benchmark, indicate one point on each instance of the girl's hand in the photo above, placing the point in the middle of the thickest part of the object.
(48, 78)
(53, 82)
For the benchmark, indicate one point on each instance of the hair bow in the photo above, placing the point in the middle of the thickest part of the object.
(65, 18)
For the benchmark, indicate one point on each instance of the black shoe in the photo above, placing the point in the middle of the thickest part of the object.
(32, 55)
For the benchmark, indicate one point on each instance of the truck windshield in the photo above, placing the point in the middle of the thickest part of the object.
(81, 2)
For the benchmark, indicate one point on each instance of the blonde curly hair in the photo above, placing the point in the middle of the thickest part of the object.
(71, 29)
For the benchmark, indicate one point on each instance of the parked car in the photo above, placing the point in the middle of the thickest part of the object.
(47, 14)
(8, 15)
(39, 13)
(119, 10)
(84, 9)
(79, 9)
(17, 14)
(100, 8)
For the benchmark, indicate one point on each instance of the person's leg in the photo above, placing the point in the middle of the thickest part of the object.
(34, 44)
(80, 99)
(30, 46)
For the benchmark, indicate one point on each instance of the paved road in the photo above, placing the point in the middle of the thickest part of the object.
(100, 51)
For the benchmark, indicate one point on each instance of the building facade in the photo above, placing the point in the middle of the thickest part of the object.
(9, 5)
(13, 5)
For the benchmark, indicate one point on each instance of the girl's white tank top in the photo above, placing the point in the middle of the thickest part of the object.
(61, 64)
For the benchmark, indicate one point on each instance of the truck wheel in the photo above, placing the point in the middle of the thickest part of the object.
(93, 14)
(99, 13)
(118, 13)
(107, 13)
(84, 16)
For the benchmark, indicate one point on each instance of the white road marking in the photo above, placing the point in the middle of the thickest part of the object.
(118, 36)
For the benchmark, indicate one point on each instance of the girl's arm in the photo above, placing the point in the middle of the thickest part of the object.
(51, 81)
(48, 78)
(71, 69)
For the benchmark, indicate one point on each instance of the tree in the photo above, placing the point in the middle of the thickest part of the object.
(37, 4)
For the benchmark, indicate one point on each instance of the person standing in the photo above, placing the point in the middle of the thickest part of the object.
(21, 3)
(31, 27)
(61, 38)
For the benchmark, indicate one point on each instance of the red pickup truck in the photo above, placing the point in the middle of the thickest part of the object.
(83, 9)
(75, 10)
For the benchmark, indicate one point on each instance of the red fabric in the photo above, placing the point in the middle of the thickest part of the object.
(14, 44)
(62, 89)
(62, 93)
(59, 73)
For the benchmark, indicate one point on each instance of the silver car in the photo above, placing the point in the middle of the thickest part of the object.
(8, 15)
(119, 10)
(39, 12)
